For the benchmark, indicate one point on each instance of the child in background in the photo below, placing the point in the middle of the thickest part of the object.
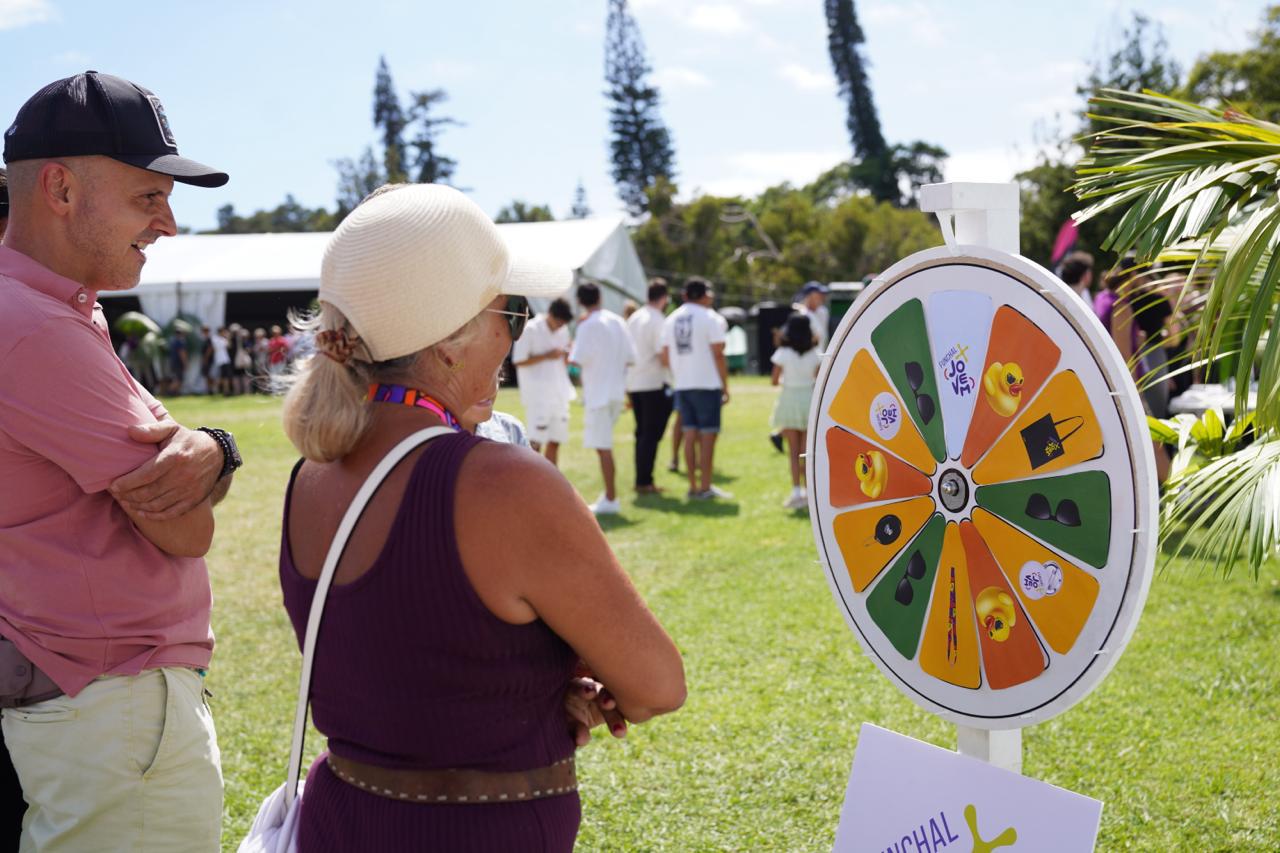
(795, 368)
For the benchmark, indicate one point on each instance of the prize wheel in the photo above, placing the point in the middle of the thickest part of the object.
(983, 490)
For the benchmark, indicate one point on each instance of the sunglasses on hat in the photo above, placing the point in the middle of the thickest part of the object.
(517, 311)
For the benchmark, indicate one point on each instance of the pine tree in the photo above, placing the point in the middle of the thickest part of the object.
(844, 35)
(389, 117)
(427, 164)
(641, 148)
(579, 209)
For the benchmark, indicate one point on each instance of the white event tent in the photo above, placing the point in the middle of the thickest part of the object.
(192, 274)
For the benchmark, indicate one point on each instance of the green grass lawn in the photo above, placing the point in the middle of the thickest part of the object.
(1181, 743)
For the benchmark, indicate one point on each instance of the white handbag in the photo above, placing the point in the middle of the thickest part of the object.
(275, 828)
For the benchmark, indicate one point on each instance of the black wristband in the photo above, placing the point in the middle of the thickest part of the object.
(230, 452)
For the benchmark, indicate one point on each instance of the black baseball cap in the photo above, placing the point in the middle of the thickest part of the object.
(94, 113)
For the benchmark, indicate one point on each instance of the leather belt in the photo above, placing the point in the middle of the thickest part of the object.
(477, 787)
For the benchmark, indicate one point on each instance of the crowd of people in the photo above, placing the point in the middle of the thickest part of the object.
(228, 362)
(1140, 307)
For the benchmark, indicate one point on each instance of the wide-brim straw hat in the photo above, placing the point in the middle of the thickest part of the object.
(411, 266)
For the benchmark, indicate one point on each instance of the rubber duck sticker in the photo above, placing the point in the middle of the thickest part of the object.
(996, 612)
(1005, 839)
(1002, 386)
(872, 473)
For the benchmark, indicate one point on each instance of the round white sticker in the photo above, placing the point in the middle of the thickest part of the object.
(1031, 579)
(1040, 579)
(886, 415)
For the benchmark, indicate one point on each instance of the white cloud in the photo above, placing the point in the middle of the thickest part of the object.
(680, 78)
(752, 171)
(806, 78)
(720, 18)
(21, 13)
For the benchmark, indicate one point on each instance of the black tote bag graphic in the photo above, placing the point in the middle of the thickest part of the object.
(1044, 441)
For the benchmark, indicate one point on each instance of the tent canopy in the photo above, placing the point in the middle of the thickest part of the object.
(195, 272)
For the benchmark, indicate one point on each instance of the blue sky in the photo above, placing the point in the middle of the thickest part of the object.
(273, 91)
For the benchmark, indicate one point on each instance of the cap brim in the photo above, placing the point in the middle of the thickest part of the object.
(530, 278)
(181, 169)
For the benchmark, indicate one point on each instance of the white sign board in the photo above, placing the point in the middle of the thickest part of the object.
(907, 796)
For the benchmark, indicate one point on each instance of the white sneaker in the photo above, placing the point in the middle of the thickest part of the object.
(715, 492)
(604, 506)
(798, 500)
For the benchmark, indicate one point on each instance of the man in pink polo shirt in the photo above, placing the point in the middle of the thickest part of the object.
(104, 595)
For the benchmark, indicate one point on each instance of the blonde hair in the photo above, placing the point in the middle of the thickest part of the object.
(325, 408)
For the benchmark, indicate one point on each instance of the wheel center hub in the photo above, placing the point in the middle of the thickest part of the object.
(953, 490)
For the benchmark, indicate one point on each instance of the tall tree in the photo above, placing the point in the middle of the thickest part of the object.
(429, 166)
(1141, 61)
(641, 148)
(580, 210)
(1248, 80)
(389, 117)
(844, 35)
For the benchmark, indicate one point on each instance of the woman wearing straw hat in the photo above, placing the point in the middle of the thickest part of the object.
(476, 584)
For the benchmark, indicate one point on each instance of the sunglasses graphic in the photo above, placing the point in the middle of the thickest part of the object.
(1067, 513)
(517, 311)
(915, 571)
(924, 403)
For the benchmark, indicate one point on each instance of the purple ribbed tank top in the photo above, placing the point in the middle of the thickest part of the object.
(412, 670)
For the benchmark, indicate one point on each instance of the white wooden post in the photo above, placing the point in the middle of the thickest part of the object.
(980, 215)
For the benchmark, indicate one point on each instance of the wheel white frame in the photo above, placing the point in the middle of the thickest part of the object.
(1127, 458)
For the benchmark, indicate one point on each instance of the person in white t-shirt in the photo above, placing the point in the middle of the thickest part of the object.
(795, 368)
(693, 347)
(647, 387)
(813, 305)
(602, 350)
(545, 390)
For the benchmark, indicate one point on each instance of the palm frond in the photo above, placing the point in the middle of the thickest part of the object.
(1225, 509)
(1198, 187)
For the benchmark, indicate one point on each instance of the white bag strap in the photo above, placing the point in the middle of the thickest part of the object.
(336, 548)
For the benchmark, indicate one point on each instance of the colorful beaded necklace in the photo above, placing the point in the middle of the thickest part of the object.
(379, 393)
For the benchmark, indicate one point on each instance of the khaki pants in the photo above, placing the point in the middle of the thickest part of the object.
(131, 763)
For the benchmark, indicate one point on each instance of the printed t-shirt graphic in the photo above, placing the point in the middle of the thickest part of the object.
(870, 537)
(1058, 595)
(902, 343)
(867, 405)
(1071, 512)
(862, 472)
(1057, 431)
(899, 599)
(950, 648)
(1011, 654)
(1019, 359)
(959, 328)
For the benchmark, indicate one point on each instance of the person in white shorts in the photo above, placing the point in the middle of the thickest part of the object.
(545, 390)
(602, 350)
